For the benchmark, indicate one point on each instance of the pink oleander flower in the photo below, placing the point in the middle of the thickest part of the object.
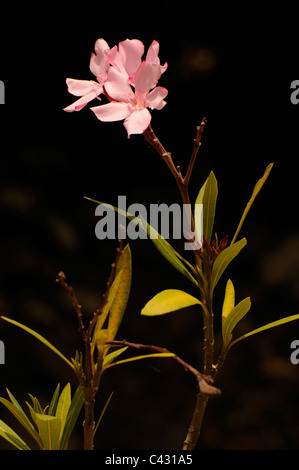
(89, 89)
(128, 82)
(131, 106)
(126, 58)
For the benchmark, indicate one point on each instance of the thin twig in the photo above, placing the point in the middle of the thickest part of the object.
(153, 140)
(197, 144)
(91, 379)
(202, 379)
(182, 183)
(61, 279)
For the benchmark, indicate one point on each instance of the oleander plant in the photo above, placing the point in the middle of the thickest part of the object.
(126, 88)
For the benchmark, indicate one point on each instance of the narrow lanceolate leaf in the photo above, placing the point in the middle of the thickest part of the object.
(73, 413)
(236, 314)
(267, 327)
(40, 338)
(101, 338)
(54, 400)
(112, 293)
(223, 260)
(63, 406)
(36, 404)
(120, 300)
(105, 311)
(14, 407)
(36, 407)
(102, 413)
(49, 430)
(169, 253)
(32, 412)
(137, 358)
(9, 434)
(229, 301)
(255, 192)
(207, 196)
(168, 301)
(113, 355)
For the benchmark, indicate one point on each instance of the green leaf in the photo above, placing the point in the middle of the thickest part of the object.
(273, 324)
(101, 319)
(113, 355)
(223, 260)
(101, 337)
(102, 413)
(137, 358)
(169, 253)
(49, 430)
(229, 300)
(36, 404)
(53, 404)
(207, 196)
(36, 407)
(236, 314)
(32, 412)
(118, 306)
(40, 338)
(73, 413)
(63, 406)
(168, 301)
(255, 192)
(9, 434)
(106, 308)
(14, 407)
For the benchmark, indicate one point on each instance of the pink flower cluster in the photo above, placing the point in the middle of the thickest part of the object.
(126, 80)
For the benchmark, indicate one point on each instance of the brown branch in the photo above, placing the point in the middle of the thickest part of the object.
(153, 140)
(91, 379)
(88, 423)
(194, 428)
(61, 279)
(202, 379)
(182, 183)
(197, 144)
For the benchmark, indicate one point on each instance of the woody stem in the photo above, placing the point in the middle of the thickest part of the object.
(182, 183)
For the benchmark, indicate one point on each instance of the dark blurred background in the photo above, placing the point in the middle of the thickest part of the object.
(235, 67)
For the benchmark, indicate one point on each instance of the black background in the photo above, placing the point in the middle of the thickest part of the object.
(233, 65)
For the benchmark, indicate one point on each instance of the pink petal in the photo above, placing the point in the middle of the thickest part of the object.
(163, 67)
(131, 51)
(161, 105)
(117, 86)
(152, 55)
(82, 87)
(115, 59)
(138, 121)
(156, 97)
(81, 102)
(147, 77)
(112, 111)
(99, 62)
